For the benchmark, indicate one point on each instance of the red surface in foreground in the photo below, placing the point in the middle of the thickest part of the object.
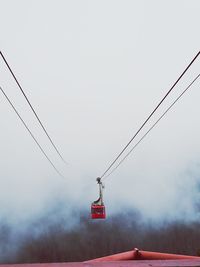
(142, 255)
(134, 258)
(142, 263)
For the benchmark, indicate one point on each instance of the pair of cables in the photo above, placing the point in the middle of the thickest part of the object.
(106, 172)
(112, 167)
(37, 117)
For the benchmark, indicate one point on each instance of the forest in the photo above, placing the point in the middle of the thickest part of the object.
(51, 241)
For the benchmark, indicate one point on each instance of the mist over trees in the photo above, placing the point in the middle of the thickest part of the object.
(51, 241)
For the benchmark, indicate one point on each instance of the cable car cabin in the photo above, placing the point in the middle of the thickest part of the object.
(98, 211)
(97, 208)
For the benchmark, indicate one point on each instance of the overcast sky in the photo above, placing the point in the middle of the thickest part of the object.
(94, 70)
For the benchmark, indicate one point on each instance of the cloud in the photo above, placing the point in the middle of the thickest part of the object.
(94, 74)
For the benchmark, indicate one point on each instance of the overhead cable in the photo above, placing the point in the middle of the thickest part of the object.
(133, 148)
(148, 118)
(27, 128)
(33, 110)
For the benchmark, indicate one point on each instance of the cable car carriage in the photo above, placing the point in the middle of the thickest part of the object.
(97, 207)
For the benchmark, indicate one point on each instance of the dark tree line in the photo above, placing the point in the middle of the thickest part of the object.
(53, 242)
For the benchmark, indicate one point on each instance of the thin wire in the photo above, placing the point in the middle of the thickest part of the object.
(110, 166)
(25, 125)
(33, 110)
(152, 126)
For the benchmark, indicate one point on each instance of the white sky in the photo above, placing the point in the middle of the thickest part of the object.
(94, 70)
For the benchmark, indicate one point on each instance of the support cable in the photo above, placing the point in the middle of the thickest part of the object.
(148, 118)
(25, 125)
(33, 110)
(116, 167)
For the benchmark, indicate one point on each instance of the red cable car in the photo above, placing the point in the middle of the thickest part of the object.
(97, 208)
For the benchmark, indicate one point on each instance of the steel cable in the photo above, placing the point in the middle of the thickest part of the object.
(148, 118)
(33, 110)
(27, 128)
(116, 167)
